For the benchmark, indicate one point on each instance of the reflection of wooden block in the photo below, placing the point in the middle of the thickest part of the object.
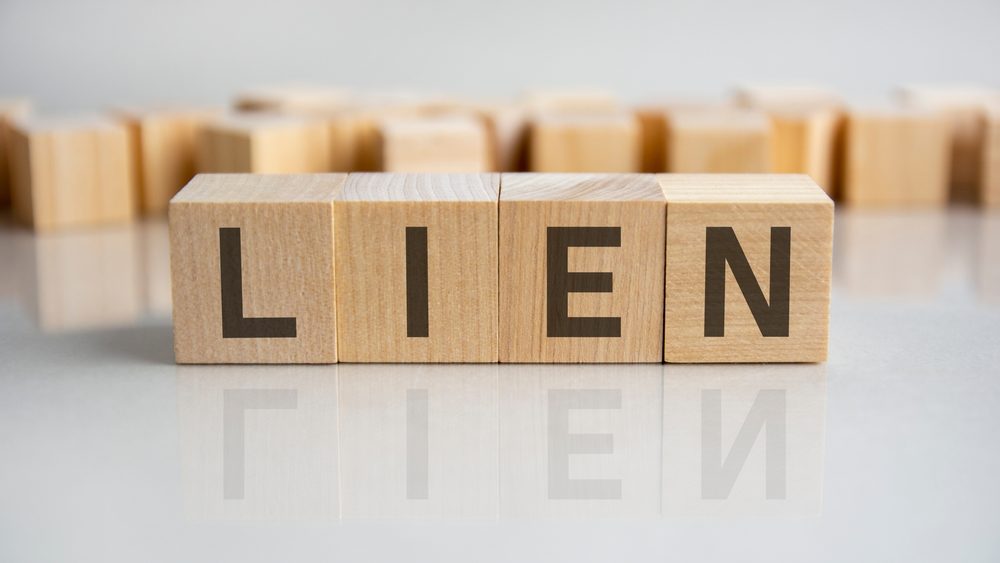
(773, 234)
(718, 141)
(299, 100)
(252, 267)
(896, 157)
(964, 108)
(433, 144)
(582, 263)
(9, 109)
(69, 173)
(163, 142)
(417, 268)
(585, 143)
(264, 144)
(990, 195)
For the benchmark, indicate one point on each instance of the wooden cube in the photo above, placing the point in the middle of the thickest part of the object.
(264, 144)
(654, 125)
(575, 102)
(719, 141)
(164, 147)
(964, 108)
(252, 267)
(581, 257)
(9, 110)
(807, 141)
(748, 268)
(433, 144)
(71, 172)
(990, 194)
(294, 99)
(896, 156)
(778, 97)
(417, 268)
(585, 143)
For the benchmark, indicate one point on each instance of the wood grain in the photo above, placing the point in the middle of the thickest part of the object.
(285, 224)
(529, 205)
(459, 212)
(751, 205)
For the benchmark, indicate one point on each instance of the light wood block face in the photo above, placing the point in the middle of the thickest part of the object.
(164, 145)
(585, 143)
(294, 99)
(417, 268)
(433, 145)
(252, 269)
(9, 109)
(724, 141)
(896, 157)
(70, 173)
(653, 134)
(264, 144)
(574, 102)
(777, 97)
(991, 159)
(805, 141)
(582, 268)
(748, 261)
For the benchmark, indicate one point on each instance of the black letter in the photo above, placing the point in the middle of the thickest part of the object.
(561, 282)
(234, 324)
(721, 247)
(416, 282)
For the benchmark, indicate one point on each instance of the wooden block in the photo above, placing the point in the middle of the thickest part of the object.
(252, 267)
(433, 144)
(71, 172)
(777, 97)
(294, 99)
(264, 144)
(164, 147)
(990, 194)
(896, 156)
(807, 141)
(964, 108)
(774, 234)
(9, 109)
(507, 131)
(573, 102)
(585, 143)
(654, 123)
(582, 262)
(720, 141)
(417, 268)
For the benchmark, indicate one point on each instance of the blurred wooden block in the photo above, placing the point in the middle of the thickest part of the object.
(252, 268)
(293, 99)
(417, 268)
(573, 102)
(507, 131)
(164, 145)
(964, 108)
(777, 97)
(806, 141)
(9, 109)
(720, 141)
(991, 158)
(773, 234)
(582, 261)
(433, 145)
(71, 172)
(896, 156)
(264, 144)
(585, 143)
(654, 124)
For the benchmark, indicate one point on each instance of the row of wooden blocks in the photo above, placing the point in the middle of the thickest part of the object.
(936, 147)
(515, 267)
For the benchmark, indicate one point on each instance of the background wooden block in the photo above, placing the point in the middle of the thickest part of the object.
(585, 143)
(896, 156)
(574, 102)
(762, 226)
(433, 144)
(964, 108)
(264, 144)
(726, 140)
(990, 195)
(252, 268)
(417, 268)
(807, 141)
(654, 124)
(164, 148)
(294, 99)
(772, 97)
(71, 172)
(9, 109)
(555, 228)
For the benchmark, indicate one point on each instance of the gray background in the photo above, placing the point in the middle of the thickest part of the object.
(72, 54)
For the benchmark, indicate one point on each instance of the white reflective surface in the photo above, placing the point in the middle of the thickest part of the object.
(110, 452)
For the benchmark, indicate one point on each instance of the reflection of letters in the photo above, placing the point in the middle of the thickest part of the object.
(767, 413)
(562, 444)
(234, 406)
